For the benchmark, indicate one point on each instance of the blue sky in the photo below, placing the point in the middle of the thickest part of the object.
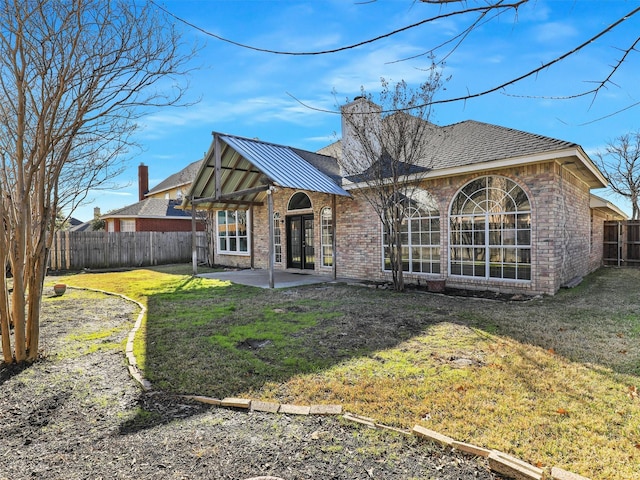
(249, 93)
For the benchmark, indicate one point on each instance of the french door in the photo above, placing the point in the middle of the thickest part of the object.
(300, 251)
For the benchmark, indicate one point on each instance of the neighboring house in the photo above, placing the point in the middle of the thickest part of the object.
(76, 225)
(177, 185)
(158, 209)
(498, 209)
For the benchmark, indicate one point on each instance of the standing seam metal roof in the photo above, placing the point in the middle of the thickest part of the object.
(283, 165)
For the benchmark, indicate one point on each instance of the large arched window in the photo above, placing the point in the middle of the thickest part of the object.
(420, 234)
(490, 234)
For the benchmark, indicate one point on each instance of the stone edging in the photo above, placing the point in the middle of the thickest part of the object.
(499, 462)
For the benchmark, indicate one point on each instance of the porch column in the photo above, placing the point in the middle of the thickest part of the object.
(334, 253)
(194, 243)
(270, 221)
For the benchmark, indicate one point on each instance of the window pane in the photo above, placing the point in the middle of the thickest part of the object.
(232, 231)
(299, 201)
(420, 230)
(496, 213)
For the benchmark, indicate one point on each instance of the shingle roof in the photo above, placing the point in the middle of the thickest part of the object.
(151, 207)
(184, 176)
(471, 142)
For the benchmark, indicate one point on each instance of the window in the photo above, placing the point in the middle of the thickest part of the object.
(326, 219)
(127, 225)
(232, 231)
(420, 235)
(277, 238)
(299, 201)
(490, 234)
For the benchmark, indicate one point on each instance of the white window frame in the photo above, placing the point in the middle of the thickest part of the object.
(277, 238)
(225, 242)
(428, 240)
(127, 225)
(473, 249)
(326, 236)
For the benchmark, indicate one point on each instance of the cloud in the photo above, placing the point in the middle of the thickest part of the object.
(554, 32)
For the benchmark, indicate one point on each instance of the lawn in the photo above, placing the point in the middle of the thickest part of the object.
(551, 380)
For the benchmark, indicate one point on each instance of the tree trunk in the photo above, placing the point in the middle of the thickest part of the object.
(397, 240)
(4, 318)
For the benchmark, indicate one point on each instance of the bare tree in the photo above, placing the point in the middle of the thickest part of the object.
(620, 164)
(385, 154)
(75, 76)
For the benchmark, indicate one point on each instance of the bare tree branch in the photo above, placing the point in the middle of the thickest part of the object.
(74, 78)
(498, 5)
(620, 164)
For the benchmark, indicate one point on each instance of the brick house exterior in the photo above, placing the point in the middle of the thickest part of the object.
(561, 227)
(158, 209)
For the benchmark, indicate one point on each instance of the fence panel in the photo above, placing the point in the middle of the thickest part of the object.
(622, 243)
(101, 250)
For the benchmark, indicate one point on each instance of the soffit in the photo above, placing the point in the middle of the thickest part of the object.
(247, 167)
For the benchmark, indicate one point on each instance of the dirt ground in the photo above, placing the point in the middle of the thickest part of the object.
(77, 414)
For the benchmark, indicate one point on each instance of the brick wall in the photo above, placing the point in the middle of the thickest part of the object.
(165, 225)
(563, 234)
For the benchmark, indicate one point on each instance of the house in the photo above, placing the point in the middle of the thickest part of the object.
(497, 209)
(158, 209)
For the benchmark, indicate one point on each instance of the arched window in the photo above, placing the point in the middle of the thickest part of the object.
(299, 201)
(420, 234)
(490, 234)
(277, 238)
(327, 236)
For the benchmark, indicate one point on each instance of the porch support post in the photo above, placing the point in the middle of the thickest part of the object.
(251, 237)
(194, 243)
(333, 240)
(217, 155)
(270, 222)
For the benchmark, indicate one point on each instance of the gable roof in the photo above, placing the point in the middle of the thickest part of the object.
(248, 166)
(471, 142)
(151, 208)
(473, 146)
(183, 177)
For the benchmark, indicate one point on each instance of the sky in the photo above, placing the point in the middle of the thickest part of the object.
(241, 91)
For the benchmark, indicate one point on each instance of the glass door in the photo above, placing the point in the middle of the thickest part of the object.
(300, 248)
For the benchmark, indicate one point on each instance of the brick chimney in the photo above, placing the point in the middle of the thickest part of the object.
(143, 181)
(361, 122)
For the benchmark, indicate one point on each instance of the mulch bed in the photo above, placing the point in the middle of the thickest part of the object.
(80, 416)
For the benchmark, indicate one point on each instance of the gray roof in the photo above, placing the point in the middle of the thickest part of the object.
(151, 208)
(185, 176)
(471, 142)
(248, 165)
(286, 166)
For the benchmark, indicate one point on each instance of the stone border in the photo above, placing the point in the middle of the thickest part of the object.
(499, 462)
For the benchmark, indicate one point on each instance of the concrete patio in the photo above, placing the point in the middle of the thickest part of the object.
(260, 278)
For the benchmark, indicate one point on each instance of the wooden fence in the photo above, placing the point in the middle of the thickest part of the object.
(622, 243)
(103, 250)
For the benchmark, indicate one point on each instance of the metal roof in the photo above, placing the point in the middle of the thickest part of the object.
(247, 166)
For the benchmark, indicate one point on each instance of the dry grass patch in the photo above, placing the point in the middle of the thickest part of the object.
(550, 380)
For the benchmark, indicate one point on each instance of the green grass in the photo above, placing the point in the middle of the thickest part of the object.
(550, 380)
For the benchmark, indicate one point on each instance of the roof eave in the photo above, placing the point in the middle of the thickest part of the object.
(597, 180)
